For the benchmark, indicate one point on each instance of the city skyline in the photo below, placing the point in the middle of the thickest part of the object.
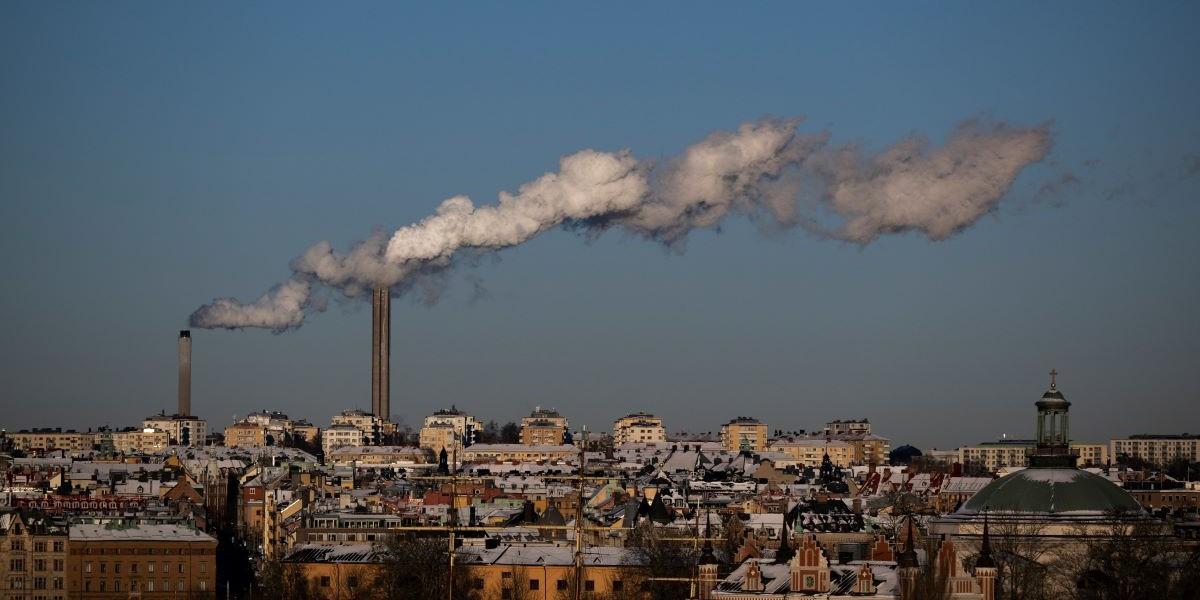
(144, 174)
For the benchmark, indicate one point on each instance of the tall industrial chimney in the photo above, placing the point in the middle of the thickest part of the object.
(381, 347)
(185, 372)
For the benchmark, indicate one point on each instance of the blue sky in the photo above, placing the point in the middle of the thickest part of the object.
(155, 156)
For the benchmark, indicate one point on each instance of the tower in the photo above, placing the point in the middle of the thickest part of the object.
(985, 566)
(381, 347)
(1053, 429)
(707, 569)
(185, 373)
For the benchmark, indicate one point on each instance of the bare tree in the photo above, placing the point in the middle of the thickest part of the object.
(418, 568)
(1133, 560)
(667, 565)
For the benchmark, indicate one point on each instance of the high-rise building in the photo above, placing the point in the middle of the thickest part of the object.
(744, 433)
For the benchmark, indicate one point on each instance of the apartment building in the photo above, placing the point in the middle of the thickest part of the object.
(341, 435)
(152, 561)
(1157, 449)
(639, 427)
(34, 440)
(1003, 453)
(520, 452)
(449, 429)
(245, 434)
(33, 555)
(182, 430)
(140, 441)
(744, 433)
(848, 426)
(543, 427)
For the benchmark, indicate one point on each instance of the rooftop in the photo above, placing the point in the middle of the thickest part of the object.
(144, 532)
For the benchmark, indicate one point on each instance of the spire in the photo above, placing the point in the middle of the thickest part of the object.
(785, 553)
(706, 555)
(985, 551)
(908, 556)
(1053, 378)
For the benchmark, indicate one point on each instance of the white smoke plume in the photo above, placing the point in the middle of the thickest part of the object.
(766, 170)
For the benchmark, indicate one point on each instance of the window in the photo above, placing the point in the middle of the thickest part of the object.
(478, 583)
(179, 568)
(351, 581)
(506, 575)
(506, 594)
(116, 585)
(58, 583)
(589, 585)
(116, 567)
(150, 567)
(618, 585)
(534, 584)
(58, 546)
(103, 586)
(561, 584)
(150, 586)
(18, 545)
(203, 585)
(203, 567)
(16, 564)
(324, 581)
(87, 585)
(103, 567)
(58, 564)
(39, 583)
(39, 546)
(133, 568)
(39, 564)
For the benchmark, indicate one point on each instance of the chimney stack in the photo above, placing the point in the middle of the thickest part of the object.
(185, 372)
(381, 346)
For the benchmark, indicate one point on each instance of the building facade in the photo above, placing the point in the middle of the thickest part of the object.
(1157, 449)
(33, 554)
(744, 433)
(182, 430)
(543, 427)
(150, 561)
(639, 427)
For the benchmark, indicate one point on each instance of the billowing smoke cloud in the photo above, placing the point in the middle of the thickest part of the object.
(766, 170)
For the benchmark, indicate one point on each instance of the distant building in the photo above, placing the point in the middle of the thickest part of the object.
(341, 435)
(640, 427)
(1157, 449)
(520, 452)
(140, 560)
(542, 427)
(993, 456)
(28, 440)
(182, 430)
(744, 433)
(450, 429)
(140, 441)
(245, 434)
(811, 451)
(370, 425)
(848, 426)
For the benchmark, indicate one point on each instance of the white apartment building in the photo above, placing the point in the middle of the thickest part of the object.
(182, 430)
(341, 435)
(639, 427)
(1157, 449)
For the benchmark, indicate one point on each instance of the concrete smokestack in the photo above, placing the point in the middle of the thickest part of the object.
(381, 347)
(185, 372)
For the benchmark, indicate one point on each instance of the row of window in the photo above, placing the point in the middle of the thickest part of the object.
(144, 551)
(39, 583)
(133, 567)
(138, 586)
(19, 546)
(39, 564)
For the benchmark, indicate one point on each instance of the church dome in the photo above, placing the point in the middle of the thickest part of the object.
(1054, 492)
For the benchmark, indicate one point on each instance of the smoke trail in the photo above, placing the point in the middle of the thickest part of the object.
(766, 170)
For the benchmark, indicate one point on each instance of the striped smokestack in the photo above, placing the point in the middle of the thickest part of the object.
(381, 345)
(185, 372)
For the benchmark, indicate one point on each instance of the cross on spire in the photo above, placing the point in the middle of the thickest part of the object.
(1053, 378)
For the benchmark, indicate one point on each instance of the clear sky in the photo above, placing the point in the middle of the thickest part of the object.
(154, 156)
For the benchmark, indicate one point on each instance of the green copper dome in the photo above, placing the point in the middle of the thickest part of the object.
(1058, 492)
